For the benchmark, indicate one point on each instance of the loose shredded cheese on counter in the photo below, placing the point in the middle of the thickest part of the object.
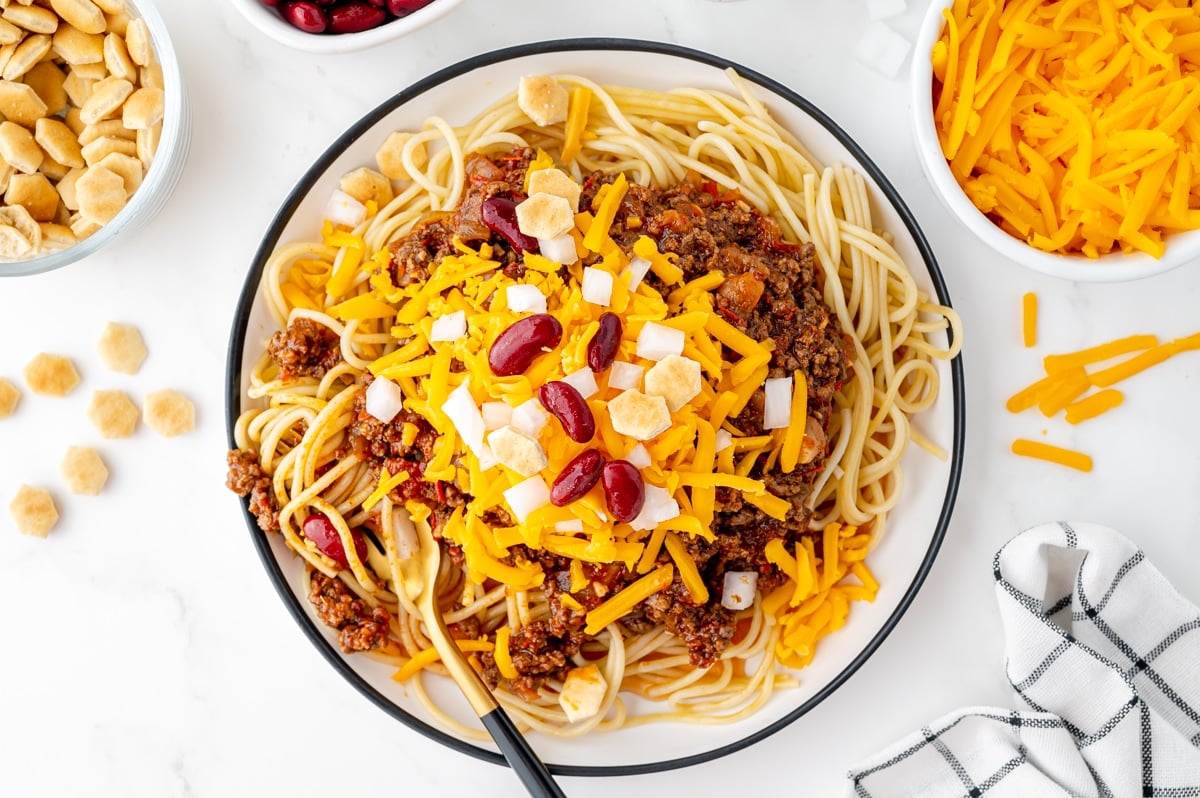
(1052, 454)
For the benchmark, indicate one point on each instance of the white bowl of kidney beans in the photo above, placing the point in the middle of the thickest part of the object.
(338, 26)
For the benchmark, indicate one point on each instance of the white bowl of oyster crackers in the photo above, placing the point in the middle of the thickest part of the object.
(96, 126)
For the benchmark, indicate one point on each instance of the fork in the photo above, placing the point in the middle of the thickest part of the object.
(419, 573)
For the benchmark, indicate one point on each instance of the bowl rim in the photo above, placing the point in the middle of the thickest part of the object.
(275, 27)
(165, 167)
(240, 326)
(1181, 248)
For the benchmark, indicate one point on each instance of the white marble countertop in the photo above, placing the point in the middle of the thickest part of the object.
(145, 652)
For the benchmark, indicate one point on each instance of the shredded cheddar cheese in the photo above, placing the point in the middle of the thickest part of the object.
(1029, 313)
(816, 598)
(1075, 126)
(1052, 454)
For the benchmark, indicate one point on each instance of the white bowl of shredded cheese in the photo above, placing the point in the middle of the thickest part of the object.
(935, 124)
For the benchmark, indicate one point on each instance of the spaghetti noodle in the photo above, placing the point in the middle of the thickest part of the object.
(643, 599)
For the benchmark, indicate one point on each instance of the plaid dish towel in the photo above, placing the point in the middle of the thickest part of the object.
(1104, 658)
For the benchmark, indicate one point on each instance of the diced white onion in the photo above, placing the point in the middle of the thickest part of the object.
(527, 496)
(487, 458)
(637, 272)
(882, 49)
(529, 417)
(384, 399)
(450, 327)
(738, 591)
(724, 440)
(625, 376)
(345, 210)
(404, 533)
(656, 341)
(460, 408)
(660, 506)
(560, 250)
(496, 415)
(597, 286)
(638, 457)
(884, 9)
(566, 527)
(522, 298)
(777, 408)
(583, 381)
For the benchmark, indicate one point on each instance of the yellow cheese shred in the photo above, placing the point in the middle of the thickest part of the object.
(623, 602)
(1029, 319)
(1052, 454)
(577, 116)
(688, 572)
(503, 657)
(1094, 405)
(428, 656)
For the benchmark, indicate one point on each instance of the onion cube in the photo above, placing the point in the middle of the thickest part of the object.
(583, 381)
(345, 210)
(529, 417)
(569, 526)
(656, 341)
(496, 414)
(738, 591)
(582, 693)
(560, 250)
(460, 408)
(777, 408)
(883, 9)
(384, 399)
(638, 267)
(724, 440)
(882, 49)
(487, 458)
(597, 286)
(527, 496)
(638, 457)
(624, 376)
(450, 327)
(522, 298)
(660, 506)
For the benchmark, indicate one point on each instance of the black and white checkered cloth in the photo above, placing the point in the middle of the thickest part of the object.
(1104, 658)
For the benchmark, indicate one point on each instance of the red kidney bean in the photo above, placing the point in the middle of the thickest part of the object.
(355, 17)
(378, 3)
(624, 489)
(321, 532)
(305, 15)
(516, 347)
(270, 3)
(568, 406)
(602, 349)
(404, 7)
(577, 478)
(500, 216)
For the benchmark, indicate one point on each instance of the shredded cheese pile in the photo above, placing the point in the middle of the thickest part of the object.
(1074, 125)
(688, 461)
(1068, 383)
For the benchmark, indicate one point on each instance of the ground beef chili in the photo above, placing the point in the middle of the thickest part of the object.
(246, 478)
(771, 290)
(304, 349)
(360, 628)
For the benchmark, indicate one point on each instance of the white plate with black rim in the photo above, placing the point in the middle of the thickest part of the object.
(915, 528)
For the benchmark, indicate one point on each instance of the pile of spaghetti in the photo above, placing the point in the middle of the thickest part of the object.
(745, 348)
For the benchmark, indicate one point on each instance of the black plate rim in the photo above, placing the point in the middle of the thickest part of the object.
(614, 44)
